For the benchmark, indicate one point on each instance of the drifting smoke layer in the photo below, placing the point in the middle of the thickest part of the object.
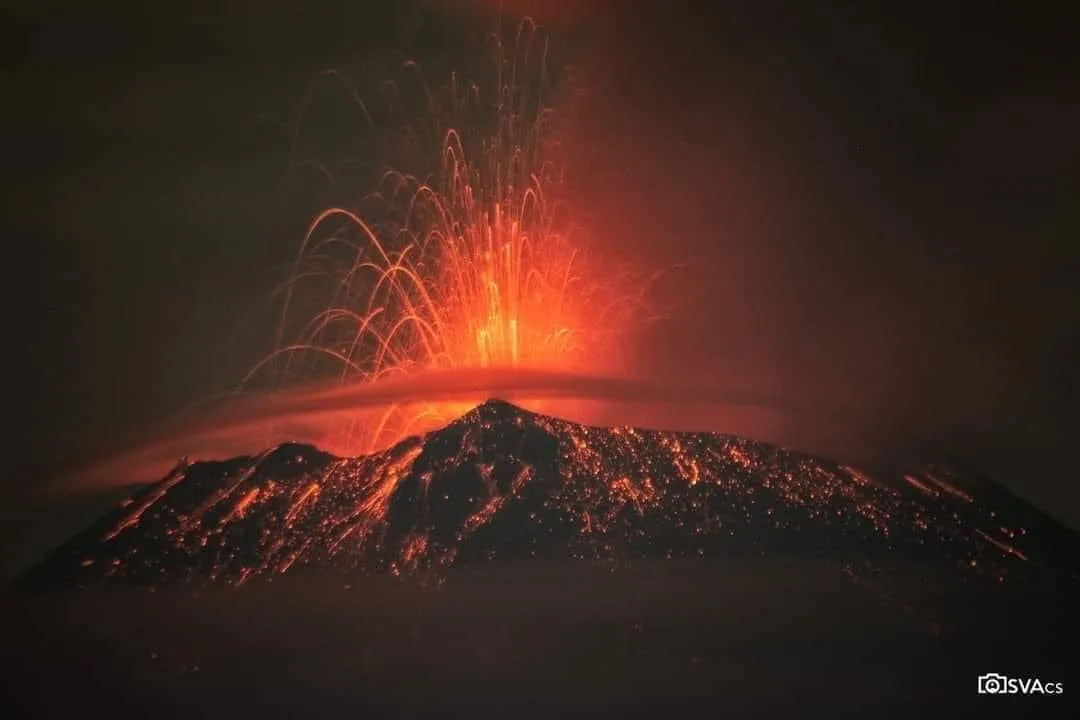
(241, 427)
(474, 263)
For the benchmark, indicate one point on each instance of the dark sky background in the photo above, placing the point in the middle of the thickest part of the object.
(875, 206)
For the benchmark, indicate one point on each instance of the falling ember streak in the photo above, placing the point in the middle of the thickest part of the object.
(915, 482)
(310, 491)
(242, 506)
(1004, 547)
(951, 489)
(227, 491)
(156, 494)
(414, 549)
(859, 476)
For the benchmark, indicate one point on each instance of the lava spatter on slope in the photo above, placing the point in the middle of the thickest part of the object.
(502, 483)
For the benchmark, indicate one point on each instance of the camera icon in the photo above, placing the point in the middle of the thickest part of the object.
(991, 684)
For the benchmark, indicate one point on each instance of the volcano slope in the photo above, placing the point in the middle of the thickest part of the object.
(513, 555)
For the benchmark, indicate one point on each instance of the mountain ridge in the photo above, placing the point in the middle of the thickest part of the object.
(501, 482)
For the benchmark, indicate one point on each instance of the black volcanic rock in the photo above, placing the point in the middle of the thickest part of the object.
(581, 571)
(501, 483)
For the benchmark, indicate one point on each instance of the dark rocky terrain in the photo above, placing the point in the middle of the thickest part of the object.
(504, 484)
(517, 563)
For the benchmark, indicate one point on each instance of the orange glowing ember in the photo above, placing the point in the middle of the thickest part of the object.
(476, 266)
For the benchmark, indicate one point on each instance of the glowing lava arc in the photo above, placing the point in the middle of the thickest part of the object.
(474, 267)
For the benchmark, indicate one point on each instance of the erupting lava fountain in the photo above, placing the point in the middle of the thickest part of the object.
(463, 275)
(477, 264)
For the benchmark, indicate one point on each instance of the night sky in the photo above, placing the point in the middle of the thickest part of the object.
(874, 207)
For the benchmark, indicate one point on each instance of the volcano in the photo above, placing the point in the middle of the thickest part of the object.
(502, 484)
(562, 570)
